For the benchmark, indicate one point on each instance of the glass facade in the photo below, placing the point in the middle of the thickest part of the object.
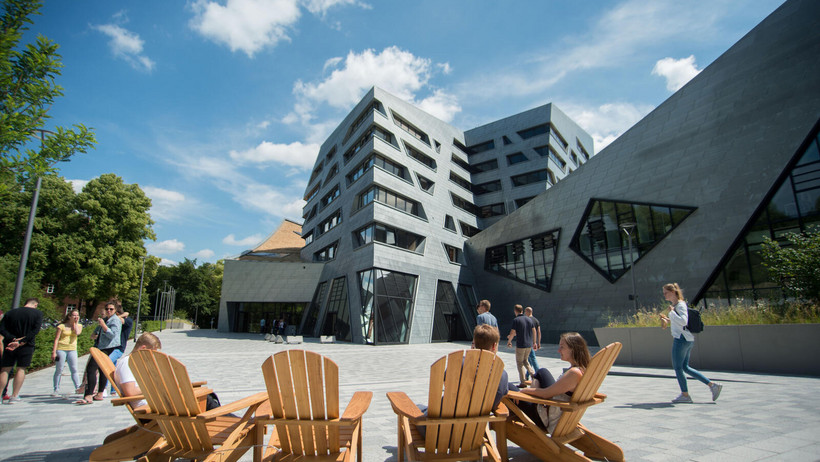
(601, 241)
(387, 305)
(312, 313)
(794, 208)
(388, 235)
(449, 322)
(530, 260)
(337, 315)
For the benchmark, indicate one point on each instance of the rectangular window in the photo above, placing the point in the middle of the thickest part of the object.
(388, 235)
(329, 223)
(326, 254)
(481, 147)
(534, 131)
(488, 187)
(548, 151)
(492, 210)
(536, 176)
(312, 193)
(389, 198)
(516, 158)
(308, 238)
(329, 197)
(373, 132)
(485, 166)
(520, 202)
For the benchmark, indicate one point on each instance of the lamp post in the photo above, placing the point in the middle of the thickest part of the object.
(629, 229)
(139, 299)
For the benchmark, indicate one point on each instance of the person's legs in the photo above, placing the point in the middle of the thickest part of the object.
(58, 369)
(679, 352)
(521, 362)
(693, 372)
(71, 359)
(90, 379)
(545, 379)
(533, 362)
(19, 378)
(4, 378)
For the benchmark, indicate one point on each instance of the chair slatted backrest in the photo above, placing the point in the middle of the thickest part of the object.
(303, 388)
(598, 368)
(108, 369)
(167, 388)
(462, 384)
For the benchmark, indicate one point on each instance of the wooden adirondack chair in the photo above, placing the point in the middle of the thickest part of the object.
(303, 392)
(128, 443)
(521, 430)
(188, 431)
(463, 386)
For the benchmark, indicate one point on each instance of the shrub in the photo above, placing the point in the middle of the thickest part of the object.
(740, 313)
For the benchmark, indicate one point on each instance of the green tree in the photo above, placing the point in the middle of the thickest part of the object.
(796, 264)
(198, 289)
(28, 89)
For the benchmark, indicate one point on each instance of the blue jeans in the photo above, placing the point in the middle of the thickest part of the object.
(532, 362)
(680, 362)
(63, 357)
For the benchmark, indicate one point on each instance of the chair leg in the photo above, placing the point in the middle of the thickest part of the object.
(597, 447)
(127, 447)
(400, 454)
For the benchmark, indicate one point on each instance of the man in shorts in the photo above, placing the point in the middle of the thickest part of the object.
(19, 329)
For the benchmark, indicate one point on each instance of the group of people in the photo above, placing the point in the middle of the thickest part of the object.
(276, 327)
(572, 348)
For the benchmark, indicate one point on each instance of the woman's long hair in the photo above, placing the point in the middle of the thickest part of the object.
(68, 315)
(578, 346)
(674, 287)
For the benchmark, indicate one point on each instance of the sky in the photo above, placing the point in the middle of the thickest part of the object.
(217, 108)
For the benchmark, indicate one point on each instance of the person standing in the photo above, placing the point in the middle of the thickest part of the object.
(65, 349)
(109, 339)
(523, 330)
(537, 343)
(262, 326)
(682, 344)
(125, 331)
(19, 329)
(484, 316)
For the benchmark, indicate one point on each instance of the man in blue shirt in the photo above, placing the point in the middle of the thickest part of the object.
(484, 316)
(523, 330)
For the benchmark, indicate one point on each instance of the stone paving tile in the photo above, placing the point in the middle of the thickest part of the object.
(753, 420)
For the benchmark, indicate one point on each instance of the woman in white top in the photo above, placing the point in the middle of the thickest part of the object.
(682, 344)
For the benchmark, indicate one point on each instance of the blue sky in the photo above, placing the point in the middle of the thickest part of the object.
(217, 108)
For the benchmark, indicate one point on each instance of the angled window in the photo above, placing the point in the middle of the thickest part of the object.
(309, 213)
(492, 210)
(326, 254)
(464, 204)
(425, 184)
(376, 105)
(556, 135)
(481, 147)
(601, 241)
(329, 223)
(374, 131)
(337, 315)
(453, 254)
(464, 183)
(468, 230)
(316, 171)
(437, 145)
(330, 153)
(376, 193)
(311, 316)
(491, 164)
(530, 260)
(792, 206)
(536, 176)
(449, 223)
(388, 235)
(449, 321)
(520, 202)
(329, 197)
(332, 171)
(420, 156)
(411, 129)
(548, 151)
(461, 163)
(387, 305)
(308, 237)
(516, 158)
(506, 140)
(488, 187)
(534, 131)
(313, 192)
(574, 158)
(581, 148)
(458, 144)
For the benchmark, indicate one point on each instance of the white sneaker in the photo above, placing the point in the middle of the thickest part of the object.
(56, 394)
(105, 393)
(13, 399)
(716, 388)
(682, 399)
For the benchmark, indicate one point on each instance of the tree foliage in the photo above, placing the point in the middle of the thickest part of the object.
(796, 264)
(198, 289)
(28, 89)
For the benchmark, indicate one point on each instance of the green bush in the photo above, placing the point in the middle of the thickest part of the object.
(737, 314)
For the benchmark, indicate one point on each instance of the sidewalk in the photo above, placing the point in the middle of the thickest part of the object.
(758, 417)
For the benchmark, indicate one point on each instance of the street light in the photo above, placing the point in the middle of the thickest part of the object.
(629, 229)
(139, 300)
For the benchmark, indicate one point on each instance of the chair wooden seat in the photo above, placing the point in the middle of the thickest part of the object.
(461, 396)
(188, 431)
(521, 429)
(303, 394)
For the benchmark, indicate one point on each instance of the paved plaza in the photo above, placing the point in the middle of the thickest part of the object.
(758, 417)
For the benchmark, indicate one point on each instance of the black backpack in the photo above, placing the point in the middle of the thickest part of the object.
(695, 324)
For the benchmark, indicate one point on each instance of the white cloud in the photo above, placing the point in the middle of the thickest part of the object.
(393, 69)
(78, 185)
(126, 45)
(294, 154)
(165, 247)
(166, 204)
(167, 262)
(677, 72)
(608, 121)
(320, 7)
(249, 241)
(204, 254)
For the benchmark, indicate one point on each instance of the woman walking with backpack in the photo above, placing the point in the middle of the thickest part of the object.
(682, 344)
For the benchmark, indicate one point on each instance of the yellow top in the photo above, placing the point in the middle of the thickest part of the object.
(68, 338)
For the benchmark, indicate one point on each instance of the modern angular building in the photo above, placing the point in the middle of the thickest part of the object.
(410, 221)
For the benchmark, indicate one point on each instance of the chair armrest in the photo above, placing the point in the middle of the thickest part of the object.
(501, 410)
(126, 400)
(358, 405)
(199, 384)
(250, 401)
(517, 395)
(403, 405)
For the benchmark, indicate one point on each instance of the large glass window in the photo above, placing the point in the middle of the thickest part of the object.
(373, 132)
(449, 323)
(308, 326)
(464, 183)
(534, 131)
(548, 151)
(460, 162)
(329, 223)
(387, 305)
(537, 176)
(412, 130)
(389, 198)
(388, 235)
(420, 156)
(376, 105)
(530, 260)
(326, 254)
(337, 315)
(601, 241)
(464, 204)
(492, 210)
(379, 161)
(488, 187)
(516, 158)
(795, 208)
(329, 197)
